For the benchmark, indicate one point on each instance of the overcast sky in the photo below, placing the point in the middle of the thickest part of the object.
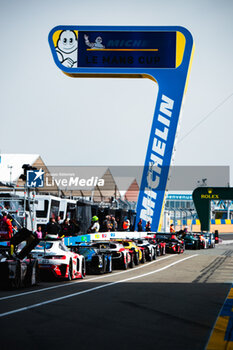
(72, 121)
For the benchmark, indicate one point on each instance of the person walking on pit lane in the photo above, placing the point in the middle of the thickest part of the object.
(106, 224)
(172, 228)
(140, 229)
(66, 228)
(39, 232)
(113, 224)
(148, 226)
(126, 224)
(95, 226)
(6, 229)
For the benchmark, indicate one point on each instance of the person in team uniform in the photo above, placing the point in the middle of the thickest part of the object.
(172, 228)
(106, 224)
(95, 226)
(140, 229)
(6, 229)
(53, 229)
(148, 226)
(126, 224)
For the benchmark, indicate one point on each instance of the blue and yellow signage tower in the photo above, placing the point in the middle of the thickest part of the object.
(162, 54)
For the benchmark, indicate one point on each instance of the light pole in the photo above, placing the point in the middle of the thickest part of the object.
(10, 167)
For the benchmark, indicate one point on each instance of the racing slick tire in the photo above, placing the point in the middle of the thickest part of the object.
(16, 282)
(32, 275)
(83, 268)
(132, 263)
(37, 274)
(154, 254)
(151, 256)
(70, 271)
(181, 250)
(109, 265)
(105, 264)
(136, 258)
(124, 264)
(143, 260)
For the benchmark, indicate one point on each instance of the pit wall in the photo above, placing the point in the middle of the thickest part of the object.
(222, 228)
(222, 225)
(103, 236)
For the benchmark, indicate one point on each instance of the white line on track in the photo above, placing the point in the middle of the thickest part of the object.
(227, 242)
(93, 289)
(68, 284)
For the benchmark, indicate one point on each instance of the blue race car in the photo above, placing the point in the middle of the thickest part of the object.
(97, 262)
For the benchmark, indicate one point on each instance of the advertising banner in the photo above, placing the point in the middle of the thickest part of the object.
(162, 54)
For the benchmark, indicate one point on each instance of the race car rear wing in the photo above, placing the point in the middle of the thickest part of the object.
(24, 235)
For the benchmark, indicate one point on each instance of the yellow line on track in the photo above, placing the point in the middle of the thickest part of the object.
(219, 338)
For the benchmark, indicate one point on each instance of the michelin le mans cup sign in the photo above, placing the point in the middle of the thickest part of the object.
(162, 54)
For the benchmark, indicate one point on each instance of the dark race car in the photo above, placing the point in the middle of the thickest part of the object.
(191, 242)
(97, 261)
(17, 267)
(173, 244)
(203, 241)
(121, 256)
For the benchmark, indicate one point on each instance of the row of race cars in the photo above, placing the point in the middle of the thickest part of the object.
(25, 259)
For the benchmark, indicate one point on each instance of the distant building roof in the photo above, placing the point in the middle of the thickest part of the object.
(131, 194)
(123, 183)
(11, 169)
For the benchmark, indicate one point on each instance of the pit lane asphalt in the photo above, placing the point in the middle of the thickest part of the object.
(172, 305)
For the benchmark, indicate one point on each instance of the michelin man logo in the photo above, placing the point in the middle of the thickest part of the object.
(96, 45)
(35, 178)
(67, 48)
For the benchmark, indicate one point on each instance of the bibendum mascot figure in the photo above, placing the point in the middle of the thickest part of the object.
(96, 45)
(67, 48)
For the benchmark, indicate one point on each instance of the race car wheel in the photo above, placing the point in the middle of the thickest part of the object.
(109, 264)
(70, 271)
(132, 263)
(143, 260)
(125, 264)
(28, 278)
(105, 263)
(37, 274)
(16, 282)
(151, 256)
(136, 258)
(154, 254)
(83, 268)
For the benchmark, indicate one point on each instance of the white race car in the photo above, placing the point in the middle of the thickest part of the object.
(54, 257)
